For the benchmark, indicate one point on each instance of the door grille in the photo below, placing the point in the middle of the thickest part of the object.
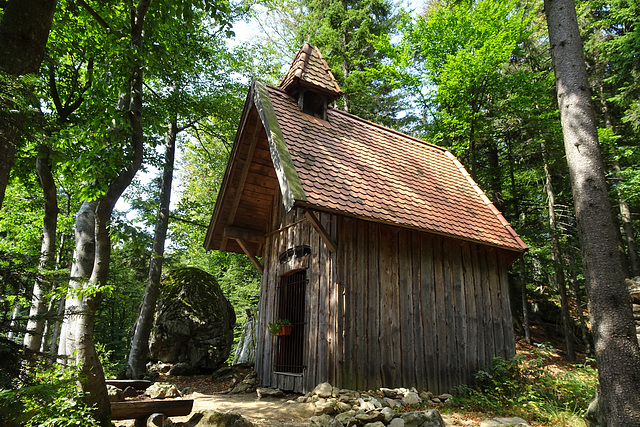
(291, 305)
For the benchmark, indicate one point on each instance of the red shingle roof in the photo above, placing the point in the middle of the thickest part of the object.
(310, 69)
(348, 165)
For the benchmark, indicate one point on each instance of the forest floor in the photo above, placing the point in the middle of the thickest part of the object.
(213, 395)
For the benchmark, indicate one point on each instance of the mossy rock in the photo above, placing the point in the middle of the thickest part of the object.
(194, 321)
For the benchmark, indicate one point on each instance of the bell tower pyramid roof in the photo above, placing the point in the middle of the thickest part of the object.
(309, 70)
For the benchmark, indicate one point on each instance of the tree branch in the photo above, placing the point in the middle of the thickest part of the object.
(94, 14)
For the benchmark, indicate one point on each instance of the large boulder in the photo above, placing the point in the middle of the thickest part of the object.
(194, 322)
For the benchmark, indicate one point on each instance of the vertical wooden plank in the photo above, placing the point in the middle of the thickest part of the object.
(323, 303)
(418, 337)
(360, 259)
(338, 279)
(313, 302)
(440, 310)
(330, 304)
(478, 268)
(471, 340)
(450, 306)
(489, 330)
(373, 347)
(496, 301)
(507, 321)
(460, 312)
(396, 326)
(350, 326)
(405, 314)
(429, 312)
(387, 367)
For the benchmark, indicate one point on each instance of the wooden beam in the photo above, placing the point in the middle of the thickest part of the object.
(321, 230)
(135, 409)
(250, 254)
(244, 234)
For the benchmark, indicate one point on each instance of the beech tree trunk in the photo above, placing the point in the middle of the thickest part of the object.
(83, 258)
(140, 343)
(556, 257)
(42, 286)
(616, 346)
(24, 30)
(92, 375)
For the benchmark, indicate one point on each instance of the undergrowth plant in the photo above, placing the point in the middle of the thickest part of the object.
(526, 386)
(49, 397)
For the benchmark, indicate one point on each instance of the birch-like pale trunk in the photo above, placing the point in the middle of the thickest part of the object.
(83, 257)
(613, 328)
(40, 297)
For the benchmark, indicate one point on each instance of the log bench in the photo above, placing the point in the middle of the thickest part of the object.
(150, 412)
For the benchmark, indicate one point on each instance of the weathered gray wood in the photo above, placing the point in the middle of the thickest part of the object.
(247, 250)
(455, 254)
(134, 409)
(496, 303)
(471, 342)
(417, 327)
(406, 318)
(440, 309)
(509, 338)
(478, 292)
(374, 322)
(315, 222)
(326, 223)
(428, 303)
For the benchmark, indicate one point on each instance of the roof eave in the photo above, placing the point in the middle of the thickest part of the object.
(248, 104)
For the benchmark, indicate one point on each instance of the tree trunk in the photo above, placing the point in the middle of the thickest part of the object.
(616, 346)
(13, 325)
(83, 258)
(140, 342)
(92, 375)
(42, 286)
(556, 257)
(24, 30)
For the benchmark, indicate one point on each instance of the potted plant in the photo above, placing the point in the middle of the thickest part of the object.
(280, 327)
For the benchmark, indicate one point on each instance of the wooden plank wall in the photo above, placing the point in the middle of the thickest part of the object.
(419, 310)
(392, 308)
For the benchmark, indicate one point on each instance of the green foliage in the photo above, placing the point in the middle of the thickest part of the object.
(50, 397)
(527, 386)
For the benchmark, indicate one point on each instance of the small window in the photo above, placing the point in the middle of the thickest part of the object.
(313, 104)
(297, 252)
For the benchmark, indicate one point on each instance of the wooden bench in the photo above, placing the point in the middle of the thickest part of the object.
(150, 412)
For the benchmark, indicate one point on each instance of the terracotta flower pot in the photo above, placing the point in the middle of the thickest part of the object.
(284, 330)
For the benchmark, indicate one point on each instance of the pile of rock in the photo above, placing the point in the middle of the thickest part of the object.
(341, 407)
(155, 391)
(634, 290)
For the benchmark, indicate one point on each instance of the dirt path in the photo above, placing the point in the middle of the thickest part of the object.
(268, 411)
